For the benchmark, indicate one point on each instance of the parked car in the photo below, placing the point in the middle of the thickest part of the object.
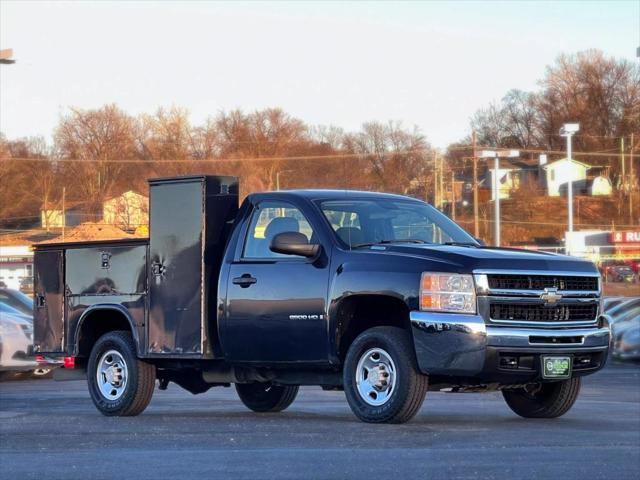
(621, 273)
(16, 337)
(617, 312)
(26, 285)
(628, 346)
(17, 300)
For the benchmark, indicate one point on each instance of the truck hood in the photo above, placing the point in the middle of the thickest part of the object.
(467, 259)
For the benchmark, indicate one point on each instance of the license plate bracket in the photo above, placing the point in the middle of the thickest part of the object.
(556, 366)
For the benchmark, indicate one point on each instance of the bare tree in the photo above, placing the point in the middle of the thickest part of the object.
(94, 138)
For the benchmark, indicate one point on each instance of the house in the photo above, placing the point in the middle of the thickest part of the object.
(563, 171)
(53, 217)
(127, 211)
(512, 174)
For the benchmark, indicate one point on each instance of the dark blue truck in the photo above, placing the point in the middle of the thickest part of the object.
(379, 295)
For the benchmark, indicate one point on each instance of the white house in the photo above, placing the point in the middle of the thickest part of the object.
(563, 171)
(52, 217)
(507, 182)
(127, 211)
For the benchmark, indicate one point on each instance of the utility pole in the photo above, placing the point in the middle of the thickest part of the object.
(441, 182)
(476, 226)
(631, 180)
(64, 213)
(567, 130)
(453, 195)
(496, 155)
(435, 180)
(622, 161)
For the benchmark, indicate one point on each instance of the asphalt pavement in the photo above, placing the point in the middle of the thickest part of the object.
(50, 430)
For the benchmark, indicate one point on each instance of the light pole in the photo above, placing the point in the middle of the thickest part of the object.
(278, 177)
(496, 155)
(6, 56)
(567, 130)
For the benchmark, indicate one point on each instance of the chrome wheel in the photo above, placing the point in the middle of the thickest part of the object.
(376, 377)
(112, 375)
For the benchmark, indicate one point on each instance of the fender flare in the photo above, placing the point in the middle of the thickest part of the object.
(106, 307)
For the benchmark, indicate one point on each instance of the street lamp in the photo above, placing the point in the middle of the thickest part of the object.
(497, 155)
(6, 56)
(567, 130)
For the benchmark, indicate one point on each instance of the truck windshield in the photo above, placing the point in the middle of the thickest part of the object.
(369, 222)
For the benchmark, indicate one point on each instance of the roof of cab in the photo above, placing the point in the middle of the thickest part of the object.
(313, 194)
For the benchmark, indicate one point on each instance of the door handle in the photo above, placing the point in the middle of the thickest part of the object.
(245, 280)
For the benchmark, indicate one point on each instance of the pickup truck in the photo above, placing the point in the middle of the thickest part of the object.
(376, 294)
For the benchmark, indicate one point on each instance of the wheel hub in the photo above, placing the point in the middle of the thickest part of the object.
(111, 375)
(376, 377)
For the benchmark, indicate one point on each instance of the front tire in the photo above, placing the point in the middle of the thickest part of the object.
(382, 382)
(265, 397)
(119, 383)
(549, 400)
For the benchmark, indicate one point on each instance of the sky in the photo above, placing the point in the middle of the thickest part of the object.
(429, 64)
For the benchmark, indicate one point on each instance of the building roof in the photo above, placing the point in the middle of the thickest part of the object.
(123, 193)
(68, 205)
(573, 160)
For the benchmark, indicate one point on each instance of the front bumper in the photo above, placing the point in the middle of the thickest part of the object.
(457, 345)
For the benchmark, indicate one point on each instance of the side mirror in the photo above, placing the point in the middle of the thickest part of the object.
(481, 242)
(293, 243)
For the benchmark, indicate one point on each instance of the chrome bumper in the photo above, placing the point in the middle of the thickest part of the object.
(457, 344)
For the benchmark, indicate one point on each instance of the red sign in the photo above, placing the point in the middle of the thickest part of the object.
(625, 237)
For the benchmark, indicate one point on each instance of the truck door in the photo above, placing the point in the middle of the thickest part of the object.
(48, 317)
(276, 304)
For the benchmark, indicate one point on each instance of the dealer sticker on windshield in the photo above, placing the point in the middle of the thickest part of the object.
(556, 367)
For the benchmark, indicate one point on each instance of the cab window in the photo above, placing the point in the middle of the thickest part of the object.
(268, 220)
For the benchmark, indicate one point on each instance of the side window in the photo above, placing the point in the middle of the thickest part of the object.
(269, 219)
(413, 226)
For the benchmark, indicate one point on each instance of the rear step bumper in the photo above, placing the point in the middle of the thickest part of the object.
(460, 345)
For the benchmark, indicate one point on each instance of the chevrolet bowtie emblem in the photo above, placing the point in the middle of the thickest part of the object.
(550, 296)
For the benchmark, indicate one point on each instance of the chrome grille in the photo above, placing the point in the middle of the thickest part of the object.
(540, 282)
(543, 313)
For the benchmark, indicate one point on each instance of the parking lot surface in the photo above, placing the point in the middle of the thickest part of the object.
(51, 430)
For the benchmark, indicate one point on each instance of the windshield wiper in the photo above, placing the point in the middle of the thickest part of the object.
(384, 242)
(460, 244)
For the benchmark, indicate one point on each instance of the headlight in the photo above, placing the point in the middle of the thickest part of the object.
(447, 292)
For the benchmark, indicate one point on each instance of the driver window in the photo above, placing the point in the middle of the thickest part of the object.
(269, 219)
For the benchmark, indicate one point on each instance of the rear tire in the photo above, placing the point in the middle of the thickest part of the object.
(381, 377)
(119, 383)
(552, 400)
(265, 397)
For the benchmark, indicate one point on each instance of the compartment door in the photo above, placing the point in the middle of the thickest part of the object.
(48, 317)
(175, 268)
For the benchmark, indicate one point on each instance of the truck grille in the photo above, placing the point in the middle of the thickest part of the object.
(540, 282)
(542, 313)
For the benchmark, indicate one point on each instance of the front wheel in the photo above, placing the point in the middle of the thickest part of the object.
(545, 400)
(381, 378)
(265, 397)
(119, 383)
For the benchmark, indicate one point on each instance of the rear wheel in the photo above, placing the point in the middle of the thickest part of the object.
(119, 383)
(545, 400)
(381, 377)
(265, 397)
